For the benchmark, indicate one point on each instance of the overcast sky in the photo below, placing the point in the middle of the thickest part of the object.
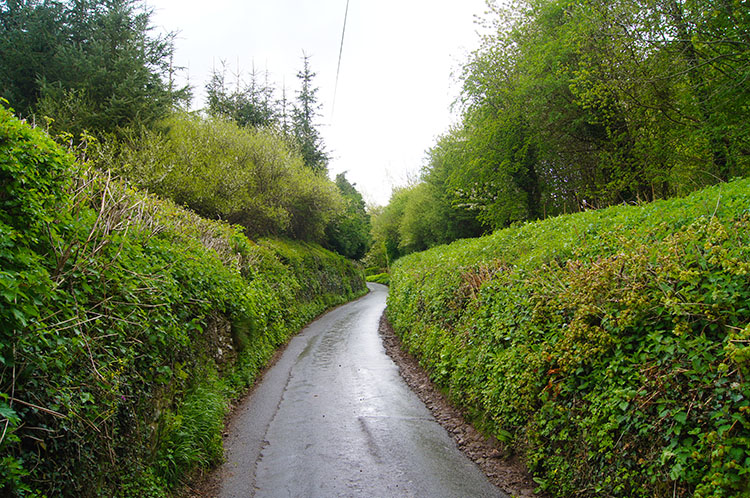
(395, 86)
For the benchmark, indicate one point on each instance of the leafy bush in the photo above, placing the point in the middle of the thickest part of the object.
(251, 177)
(379, 278)
(127, 324)
(609, 347)
(349, 232)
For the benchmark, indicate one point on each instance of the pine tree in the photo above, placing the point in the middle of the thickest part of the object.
(304, 115)
(251, 105)
(90, 65)
(283, 118)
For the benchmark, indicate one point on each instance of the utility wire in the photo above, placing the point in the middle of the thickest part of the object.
(341, 50)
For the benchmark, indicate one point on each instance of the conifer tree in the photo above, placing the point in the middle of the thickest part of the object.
(89, 65)
(304, 114)
(251, 105)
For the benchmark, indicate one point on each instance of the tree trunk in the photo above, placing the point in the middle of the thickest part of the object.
(715, 137)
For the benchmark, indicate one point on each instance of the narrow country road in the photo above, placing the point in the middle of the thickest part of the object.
(333, 418)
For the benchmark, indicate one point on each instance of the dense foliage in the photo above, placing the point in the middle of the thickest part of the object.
(572, 104)
(88, 65)
(611, 348)
(416, 218)
(249, 176)
(128, 323)
(93, 70)
(379, 278)
(255, 104)
(349, 232)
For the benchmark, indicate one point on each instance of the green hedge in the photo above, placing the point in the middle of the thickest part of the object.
(379, 278)
(611, 348)
(128, 324)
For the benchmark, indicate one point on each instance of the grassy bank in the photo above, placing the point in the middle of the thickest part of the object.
(127, 324)
(610, 348)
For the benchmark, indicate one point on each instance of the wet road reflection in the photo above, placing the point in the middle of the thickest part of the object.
(333, 418)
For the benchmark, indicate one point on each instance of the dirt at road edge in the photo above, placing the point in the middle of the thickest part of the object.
(507, 473)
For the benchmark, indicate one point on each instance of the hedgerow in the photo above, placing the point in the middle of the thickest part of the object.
(379, 278)
(128, 324)
(610, 348)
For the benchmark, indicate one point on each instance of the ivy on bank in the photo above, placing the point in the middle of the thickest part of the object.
(611, 348)
(127, 324)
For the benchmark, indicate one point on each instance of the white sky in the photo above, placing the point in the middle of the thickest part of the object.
(395, 87)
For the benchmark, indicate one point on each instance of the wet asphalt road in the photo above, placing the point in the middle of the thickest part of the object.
(333, 418)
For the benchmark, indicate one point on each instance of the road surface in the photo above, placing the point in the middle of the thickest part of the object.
(333, 418)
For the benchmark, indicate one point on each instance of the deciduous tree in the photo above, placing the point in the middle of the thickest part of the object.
(349, 232)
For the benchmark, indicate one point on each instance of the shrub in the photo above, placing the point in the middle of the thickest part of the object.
(248, 176)
(379, 278)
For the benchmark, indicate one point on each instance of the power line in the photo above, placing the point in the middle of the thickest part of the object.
(341, 50)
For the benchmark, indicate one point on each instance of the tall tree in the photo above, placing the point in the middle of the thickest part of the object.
(580, 103)
(463, 194)
(283, 113)
(349, 232)
(304, 115)
(385, 226)
(712, 38)
(249, 105)
(574, 104)
(87, 64)
(30, 36)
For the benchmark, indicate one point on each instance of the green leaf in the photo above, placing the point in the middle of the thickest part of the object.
(19, 316)
(8, 413)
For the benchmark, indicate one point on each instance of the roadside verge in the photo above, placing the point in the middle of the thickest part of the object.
(502, 468)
